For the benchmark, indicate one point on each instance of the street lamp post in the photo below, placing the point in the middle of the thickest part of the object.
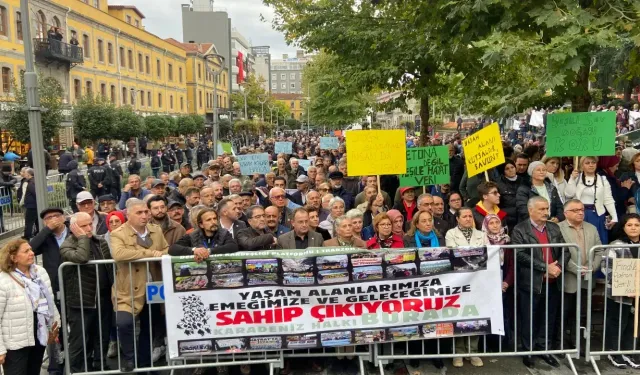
(262, 99)
(271, 115)
(215, 97)
(277, 120)
(34, 112)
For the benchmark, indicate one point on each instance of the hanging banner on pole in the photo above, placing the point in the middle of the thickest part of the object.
(581, 134)
(426, 166)
(328, 297)
(483, 150)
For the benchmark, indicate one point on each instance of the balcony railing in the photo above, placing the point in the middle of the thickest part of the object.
(51, 49)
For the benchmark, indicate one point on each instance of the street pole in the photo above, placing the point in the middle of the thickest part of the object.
(245, 103)
(277, 120)
(34, 112)
(262, 99)
(215, 98)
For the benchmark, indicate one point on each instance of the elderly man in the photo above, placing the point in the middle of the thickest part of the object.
(207, 239)
(372, 181)
(335, 180)
(539, 279)
(107, 204)
(256, 236)
(235, 186)
(312, 172)
(179, 194)
(301, 237)
(175, 211)
(198, 180)
(89, 307)
(272, 214)
(135, 239)
(208, 197)
(575, 230)
(228, 216)
(158, 187)
(302, 186)
(86, 204)
(278, 198)
(133, 189)
(315, 202)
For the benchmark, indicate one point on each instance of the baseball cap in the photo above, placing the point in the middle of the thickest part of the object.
(84, 196)
(157, 182)
(173, 203)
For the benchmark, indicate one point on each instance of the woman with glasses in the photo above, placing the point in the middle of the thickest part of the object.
(114, 221)
(422, 233)
(594, 192)
(343, 234)
(323, 189)
(384, 238)
(336, 210)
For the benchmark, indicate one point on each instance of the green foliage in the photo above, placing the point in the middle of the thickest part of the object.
(335, 99)
(128, 124)
(292, 124)
(186, 125)
(224, 128)
(255, 92)
(94, 118)
(199, 124)
(157, 127)
(17, 119)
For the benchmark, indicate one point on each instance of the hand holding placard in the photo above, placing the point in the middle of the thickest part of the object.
(581, 134)
(625, 282)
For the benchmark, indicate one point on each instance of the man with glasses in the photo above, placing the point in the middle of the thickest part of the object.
(488, 204)
(278, 198)
(47, 244)
(87, 204)
(575, 230)
(175, 211)
(107, 204)
(425, 203)
(256, 236)
(271, 215)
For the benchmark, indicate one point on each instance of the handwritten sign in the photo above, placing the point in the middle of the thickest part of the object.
(623, 279)
(376, 152)
(304, 163)
(284, 147)
(581, 134)
(254, 163)
(329, 143)
(426, 166)
(483, 150)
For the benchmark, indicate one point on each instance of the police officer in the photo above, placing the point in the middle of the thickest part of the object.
(116, 177)
(75, 184)
(99, 178)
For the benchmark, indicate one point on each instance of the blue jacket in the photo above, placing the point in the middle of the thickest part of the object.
(127, 194)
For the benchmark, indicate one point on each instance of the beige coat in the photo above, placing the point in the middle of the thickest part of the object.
(591, 239)
(124, 249)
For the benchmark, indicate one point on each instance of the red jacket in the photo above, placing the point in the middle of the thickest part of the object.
(396, 242)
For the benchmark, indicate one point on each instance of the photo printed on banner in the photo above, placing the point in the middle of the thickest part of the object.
(298, 278)
(399, 257)
(371, 258)
(184, 284)
(472, 327)
(265, 343)
(196, 347)
(190, 269)
(228, 280)
(225, 266)
(333, 276)
(302, 341)
(297, 265)
(367, 273)
(369, 336)
(195, 316)
(231, 345)
(340, 338)
(469, 258)
(261, 265)
(397, 271)
(332, 262)
(404, 333)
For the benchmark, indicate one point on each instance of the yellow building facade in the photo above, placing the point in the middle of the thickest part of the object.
(295, 103)
(119, 59)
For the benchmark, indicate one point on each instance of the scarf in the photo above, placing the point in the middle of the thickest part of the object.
(409, 209)
(512, 179)
(43, 307)
(393, 214)
(431, 238)
(385, 244)
(500, 238)
(467, 232)
(341, 242)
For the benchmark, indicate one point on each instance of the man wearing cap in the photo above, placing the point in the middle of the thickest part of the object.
(133, 189)
(86, 204)
(214, 170)
(47, 244)
(198, 180)
(407, 204)
(247, 199)
(300, 196)
(116, 176)
(158, 187)
(185, 170)
(75, 184)
(107, 204)
(175, 211)
(335, 180)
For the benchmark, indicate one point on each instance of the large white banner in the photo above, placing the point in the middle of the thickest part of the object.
(293, 299)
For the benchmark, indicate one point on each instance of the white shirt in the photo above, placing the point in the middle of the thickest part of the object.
(230, 229)
(589, 193)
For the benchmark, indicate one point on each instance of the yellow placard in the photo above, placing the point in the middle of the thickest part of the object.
(376, 152)
(483, 150)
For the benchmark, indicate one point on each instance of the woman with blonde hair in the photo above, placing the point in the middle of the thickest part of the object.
(29, 319)
(555, 174)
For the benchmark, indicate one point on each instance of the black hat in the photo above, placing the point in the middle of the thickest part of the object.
(157, 182)
(246, 194)
(197, 175)
(50, 209)
(106, 197)
(173, 203)
(337, 175)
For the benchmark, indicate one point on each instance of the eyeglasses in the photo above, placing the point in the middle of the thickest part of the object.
(278, 197)
(426, 204)
(384, 225)
(323, 190)
(576, 210)
(86, 203)
(494, 193)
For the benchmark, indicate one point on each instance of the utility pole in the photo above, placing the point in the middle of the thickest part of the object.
(270, 106)
(215, 97)
(308, 99)
(262, 99)
(34, 112)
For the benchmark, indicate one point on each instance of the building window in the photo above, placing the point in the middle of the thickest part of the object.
(199, 71)
(103, 90)
(147, 65)
(137, 23)
(158, 68)
(113, 94)
(41, 25)
(141, 98)
(180, 74)
(77, 89)
(283, 86)
(89, 88)
(292, 76)
(123, 59)
(130, 58)
(85, 46)
(274, 86)
(125, 93)
(96, 3)
(283, 76)
(149, 102)
(100, 50)
(3, 21)
(293, 85)
(170, 72)
(56, 22)
(274, 76)
(171, 101)
(159, 100)
(110, 52)
(140, 64)
(181, 103)
(129, 20)
(19, 25)
(200, 99)
(292, 104)
(6, 80)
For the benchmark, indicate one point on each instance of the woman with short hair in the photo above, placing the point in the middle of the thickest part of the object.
(384, 238)
(336, 209)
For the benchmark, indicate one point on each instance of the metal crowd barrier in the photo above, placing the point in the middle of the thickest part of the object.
(440, 348)
(609, 314)
(379, 354)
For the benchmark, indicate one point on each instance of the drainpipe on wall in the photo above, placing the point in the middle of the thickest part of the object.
(118, 57)
(166, 76)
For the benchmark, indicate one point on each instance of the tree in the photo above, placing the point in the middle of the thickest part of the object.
(128, 124)
(186, 125)
(224, 128)
(156, 127)
(335, 99)
(17, 120)
(199, 124)
(254, 90)
(94, 118)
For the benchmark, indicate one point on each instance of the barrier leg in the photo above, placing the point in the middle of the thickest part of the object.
(573, 367)
(595, 366)
(381, 367)
(361, 363)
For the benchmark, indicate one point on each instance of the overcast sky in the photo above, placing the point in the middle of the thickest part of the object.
(163, 18)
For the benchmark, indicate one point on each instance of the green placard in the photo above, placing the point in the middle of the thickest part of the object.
(581, 134)
(426, 166)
